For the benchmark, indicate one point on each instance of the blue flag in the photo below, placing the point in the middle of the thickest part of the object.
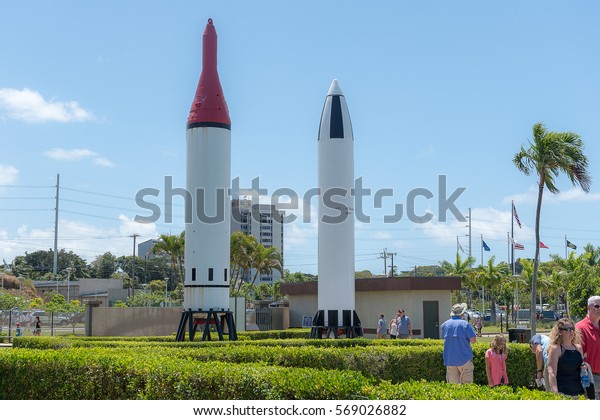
(485, 247)
(571, 245)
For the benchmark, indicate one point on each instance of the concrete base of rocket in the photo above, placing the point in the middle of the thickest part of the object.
(326, 323)
(219, 320)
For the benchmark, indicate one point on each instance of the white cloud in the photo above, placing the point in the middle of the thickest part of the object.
(489, 223)
(100, 161)
(75, 155)
(84, 239)
(30, 106)
(575, 194)
(8, 174)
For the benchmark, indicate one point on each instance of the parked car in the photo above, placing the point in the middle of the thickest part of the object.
(499, 312)
(46, 318)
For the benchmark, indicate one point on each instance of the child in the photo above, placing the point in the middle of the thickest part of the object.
(478, 326)
(393, 328)
(19, 333)
(495, 362)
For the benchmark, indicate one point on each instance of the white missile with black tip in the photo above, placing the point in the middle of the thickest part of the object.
(336, 290)
(208, 177)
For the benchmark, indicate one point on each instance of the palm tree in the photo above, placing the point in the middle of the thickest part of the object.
(243, 247)
(492, 276)
(459, 268)
(172, 245)
(265, 260)
(548, 155)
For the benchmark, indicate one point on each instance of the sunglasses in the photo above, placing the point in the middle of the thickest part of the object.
(597, 306)
(567, 329)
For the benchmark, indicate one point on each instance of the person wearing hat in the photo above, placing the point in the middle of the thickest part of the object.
(539, 346)
(458, 336)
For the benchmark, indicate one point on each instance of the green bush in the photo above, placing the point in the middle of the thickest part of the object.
(127, 373)
(392, 360)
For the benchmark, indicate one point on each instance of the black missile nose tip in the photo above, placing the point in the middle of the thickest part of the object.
(210, 22)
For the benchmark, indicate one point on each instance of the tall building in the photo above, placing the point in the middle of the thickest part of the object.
(265, 223)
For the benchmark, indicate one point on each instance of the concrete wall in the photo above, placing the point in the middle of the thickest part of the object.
(134, 322)
(107, 322)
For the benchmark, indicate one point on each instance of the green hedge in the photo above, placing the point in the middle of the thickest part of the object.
(393, 360)
(127, 373)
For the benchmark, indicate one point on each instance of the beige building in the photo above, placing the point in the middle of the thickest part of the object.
(426, 300)
(105, 291)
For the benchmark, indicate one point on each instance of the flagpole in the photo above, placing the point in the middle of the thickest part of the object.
(482, 250)
(566, 247)
(508, 244)
(512, 235)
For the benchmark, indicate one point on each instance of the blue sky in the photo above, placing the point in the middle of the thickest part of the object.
(99, 93)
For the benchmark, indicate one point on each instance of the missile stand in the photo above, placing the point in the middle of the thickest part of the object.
(220, 321)
(350, 326)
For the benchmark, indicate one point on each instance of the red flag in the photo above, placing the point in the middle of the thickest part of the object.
(516, 216)
(542, 245)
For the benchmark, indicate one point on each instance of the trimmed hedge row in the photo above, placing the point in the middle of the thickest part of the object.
(126, 373)
(396, 362)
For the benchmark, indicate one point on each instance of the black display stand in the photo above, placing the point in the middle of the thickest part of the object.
(350, 326)
(193, 321)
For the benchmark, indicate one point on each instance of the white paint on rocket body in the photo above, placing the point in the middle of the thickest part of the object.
(207, 244)
(336, 290)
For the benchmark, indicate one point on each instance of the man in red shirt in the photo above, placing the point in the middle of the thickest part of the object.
(590, 332)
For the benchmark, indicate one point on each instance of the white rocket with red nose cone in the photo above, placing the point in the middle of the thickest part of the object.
(336, 290)
(208, 177)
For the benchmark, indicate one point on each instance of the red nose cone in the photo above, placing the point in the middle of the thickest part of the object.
(209, 107)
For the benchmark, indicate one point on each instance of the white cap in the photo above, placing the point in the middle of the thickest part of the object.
(334, 89)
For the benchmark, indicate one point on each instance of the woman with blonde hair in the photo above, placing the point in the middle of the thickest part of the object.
(495, 362)
(565, 357)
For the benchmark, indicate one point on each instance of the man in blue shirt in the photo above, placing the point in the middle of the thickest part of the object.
(404, 325)
(458, 336)
(539, 346)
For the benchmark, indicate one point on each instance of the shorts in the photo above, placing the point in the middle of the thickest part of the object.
(460, 374)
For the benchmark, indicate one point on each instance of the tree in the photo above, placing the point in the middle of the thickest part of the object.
(174, 247)
(265, 260)
(548, 155)
(459, 268)
(242, 250)
(10, 301)
(39, 263)
(74, 309)
(104, 266)
(492, 276)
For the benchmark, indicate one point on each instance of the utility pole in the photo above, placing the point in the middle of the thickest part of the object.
(391, 254)
(384, 256)
(134, 236)
(55, 263)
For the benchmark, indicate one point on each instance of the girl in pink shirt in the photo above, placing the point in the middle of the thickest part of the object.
(495, 362)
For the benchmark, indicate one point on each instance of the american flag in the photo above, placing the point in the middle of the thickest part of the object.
(516, 216)
(517, 245)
